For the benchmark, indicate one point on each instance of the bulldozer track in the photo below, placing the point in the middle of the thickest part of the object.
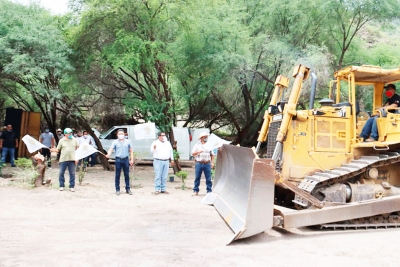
(338, 226)
(342, 174)
(374, 222)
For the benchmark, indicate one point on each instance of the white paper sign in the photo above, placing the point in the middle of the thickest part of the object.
(32, 144)
(84, 150)
(145, 131)
(214, 141)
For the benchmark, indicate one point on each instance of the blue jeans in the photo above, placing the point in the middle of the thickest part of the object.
(71, 170)
(124, 165)
(370, 129)
(4, 153)
(160, 174)
(93, 159)
(199, 168)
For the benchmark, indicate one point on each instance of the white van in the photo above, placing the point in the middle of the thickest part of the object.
(142, 147)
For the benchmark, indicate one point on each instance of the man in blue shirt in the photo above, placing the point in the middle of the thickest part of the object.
(123, 149)
(47, 139)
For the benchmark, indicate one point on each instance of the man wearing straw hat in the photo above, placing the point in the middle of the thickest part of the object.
(204, 162)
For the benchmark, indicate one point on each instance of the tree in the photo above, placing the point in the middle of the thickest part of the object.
(35, 63)
(347, 18)
(34, 58)
(132, 45)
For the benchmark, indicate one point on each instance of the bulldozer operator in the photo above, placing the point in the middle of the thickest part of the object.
(369, 132)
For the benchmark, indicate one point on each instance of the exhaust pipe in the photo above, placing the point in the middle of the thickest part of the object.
(314, 79)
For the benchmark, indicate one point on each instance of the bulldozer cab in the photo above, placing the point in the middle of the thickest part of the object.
(355, 81)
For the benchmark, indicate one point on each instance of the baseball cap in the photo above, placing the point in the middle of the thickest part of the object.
(390, 86)
(67, 130)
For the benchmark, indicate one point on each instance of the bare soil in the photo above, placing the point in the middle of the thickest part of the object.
(94, 227)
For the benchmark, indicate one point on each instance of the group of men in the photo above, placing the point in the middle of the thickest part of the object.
(70, 141)
(47, 138)
(162, 157)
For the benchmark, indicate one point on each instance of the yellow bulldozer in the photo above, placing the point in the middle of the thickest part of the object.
(317, 170)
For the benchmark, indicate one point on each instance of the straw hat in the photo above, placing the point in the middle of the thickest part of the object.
(203, 134)
(39, 156)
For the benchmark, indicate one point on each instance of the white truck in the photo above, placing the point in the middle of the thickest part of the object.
(186, 138)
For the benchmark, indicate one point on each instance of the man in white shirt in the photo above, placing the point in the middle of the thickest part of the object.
(162, 152)
(83, 138)
(94, 155)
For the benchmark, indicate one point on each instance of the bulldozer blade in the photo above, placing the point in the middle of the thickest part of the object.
(243, 191)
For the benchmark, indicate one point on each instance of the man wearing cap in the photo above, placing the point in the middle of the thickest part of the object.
(123, 158)
(47, 139)
(370, 128)
(67, 146)
(162, 153)
(204, 161)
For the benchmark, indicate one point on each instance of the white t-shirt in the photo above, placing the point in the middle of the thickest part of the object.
(163, 150)
(83, 140)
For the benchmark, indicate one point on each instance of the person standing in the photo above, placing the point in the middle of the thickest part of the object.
(67, 146)
(8, 143)
(47, 139)
(3, 129)
(60, 136)
(83, 138)
(94, 155)
(162, 152)
(123, 151)
(204, 162)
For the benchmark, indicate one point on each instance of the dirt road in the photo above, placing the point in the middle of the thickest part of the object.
(94, 227)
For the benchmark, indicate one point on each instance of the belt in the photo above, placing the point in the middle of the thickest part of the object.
(117, 158)
(162, 159)
(203, 162)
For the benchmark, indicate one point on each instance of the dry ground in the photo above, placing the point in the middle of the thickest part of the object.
(94, 227)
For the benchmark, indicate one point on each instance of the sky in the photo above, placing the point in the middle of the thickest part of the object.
(54, 6)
